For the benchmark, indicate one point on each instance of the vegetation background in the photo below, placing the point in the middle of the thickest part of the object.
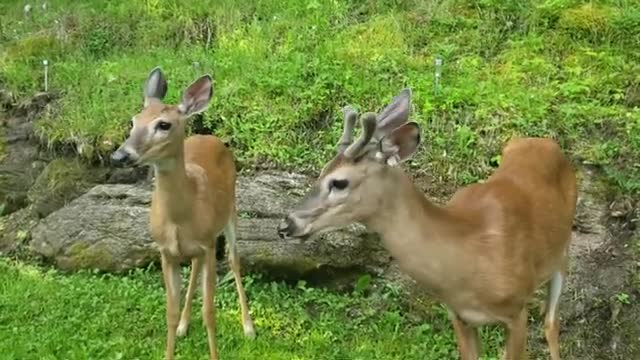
(568, 69)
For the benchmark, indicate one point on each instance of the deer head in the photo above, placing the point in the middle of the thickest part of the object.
(352, 185)
(157, 132)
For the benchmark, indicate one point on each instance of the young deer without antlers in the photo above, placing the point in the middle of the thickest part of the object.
(482, 254)
(193, 201)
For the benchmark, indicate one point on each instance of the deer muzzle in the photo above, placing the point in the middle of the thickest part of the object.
(285, 228)
(120, 157)
(126, 154)
(290, 228)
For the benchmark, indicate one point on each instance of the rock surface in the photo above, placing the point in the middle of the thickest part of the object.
(59, 182)
(20, 158)
(15, 230)
(20, 164)
(104, 229)
(107, 229)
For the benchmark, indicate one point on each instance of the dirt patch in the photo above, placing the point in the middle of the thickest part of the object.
(601, 314)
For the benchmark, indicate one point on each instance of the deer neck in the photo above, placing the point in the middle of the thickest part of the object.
(419, 234)
(173, 188)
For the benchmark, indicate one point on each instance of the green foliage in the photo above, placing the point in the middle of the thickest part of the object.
(362, 284)
(623, 298)
(283, 69)
(110, 317)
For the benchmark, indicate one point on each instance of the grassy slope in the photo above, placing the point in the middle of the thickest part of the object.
(283, 69)
(45, 315)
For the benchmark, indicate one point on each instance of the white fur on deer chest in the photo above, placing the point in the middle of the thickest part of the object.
(475, 317)
(178, 241)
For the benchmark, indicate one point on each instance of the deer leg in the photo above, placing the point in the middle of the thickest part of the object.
(171, 274)
(234, 263)
(517, 337)
(208, 302)
(196, 267)
(466, 338)
(551, 322)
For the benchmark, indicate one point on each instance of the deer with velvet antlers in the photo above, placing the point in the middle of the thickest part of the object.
(484, 253)
(193, 201)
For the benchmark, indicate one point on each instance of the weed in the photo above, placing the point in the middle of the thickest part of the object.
(623, 298)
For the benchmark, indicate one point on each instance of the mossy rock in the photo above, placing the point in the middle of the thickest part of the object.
(293, 267)
(61, 181)
(15, 230)
(86, 256)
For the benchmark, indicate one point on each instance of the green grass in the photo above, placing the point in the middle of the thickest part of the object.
(48, 315)
(562, 68)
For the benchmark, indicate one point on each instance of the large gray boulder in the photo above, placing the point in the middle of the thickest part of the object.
(107, 229)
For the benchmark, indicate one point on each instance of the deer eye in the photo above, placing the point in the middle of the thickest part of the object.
(163, 125)
(338, 184)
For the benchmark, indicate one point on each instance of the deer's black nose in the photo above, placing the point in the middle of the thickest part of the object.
(119, 156)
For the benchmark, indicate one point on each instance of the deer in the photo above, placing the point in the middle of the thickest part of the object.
(483, 253)
(193, 200)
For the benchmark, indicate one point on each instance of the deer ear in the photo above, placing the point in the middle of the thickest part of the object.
(395, 114)
(197, 96)
(400, 144)
(155, 87)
